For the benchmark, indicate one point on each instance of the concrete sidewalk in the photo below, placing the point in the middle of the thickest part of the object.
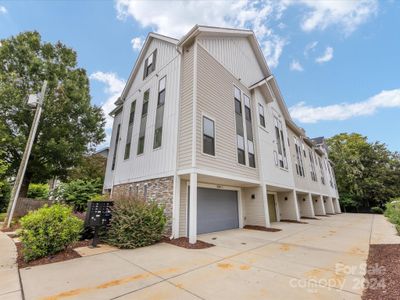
(10, 288)
(323, 259)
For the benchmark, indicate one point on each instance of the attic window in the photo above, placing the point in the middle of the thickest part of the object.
(150, 64)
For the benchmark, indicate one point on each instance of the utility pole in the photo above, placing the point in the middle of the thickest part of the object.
(25, 158)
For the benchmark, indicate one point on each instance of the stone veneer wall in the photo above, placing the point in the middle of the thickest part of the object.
(158, 189)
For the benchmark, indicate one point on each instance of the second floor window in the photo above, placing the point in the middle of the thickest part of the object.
(312, 164)
(299, 158)
(130, 129)
(239, 127)
(143, 121)
(322, 170)
(150, 64)
(261, 114)
(280, 142)
(249, 132)
(159, 114)
(208, 136)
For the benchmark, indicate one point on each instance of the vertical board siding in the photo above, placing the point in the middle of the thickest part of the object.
(108, 178)
(273, 175)
(185, 111)
(153, 162)
(236, 55)
(215, 88)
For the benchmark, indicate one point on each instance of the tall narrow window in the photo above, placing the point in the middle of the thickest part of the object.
(130, 128)
(249, 132)
(143, 121)
(322, 171)
(261, 114)
(280, 142)
(115, 148)
(159, 114)
(208, 136)
(299, 158)
(239, 127)
(150, 64)
(312, 164)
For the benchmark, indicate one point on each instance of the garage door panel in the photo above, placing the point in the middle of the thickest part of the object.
(216, 210)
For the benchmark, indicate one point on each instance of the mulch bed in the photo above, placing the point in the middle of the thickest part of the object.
(13, 227)
(184, 243)
(67, 254)
(293, 221)
(383, 273)
(261, 228)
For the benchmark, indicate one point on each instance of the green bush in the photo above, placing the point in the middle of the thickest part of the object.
(136, 223)
(78, 192)
(376, 210)
(38, 191)
(48, 230)
(392, 212)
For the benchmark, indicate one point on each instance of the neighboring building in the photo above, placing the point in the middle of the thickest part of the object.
(202, 127)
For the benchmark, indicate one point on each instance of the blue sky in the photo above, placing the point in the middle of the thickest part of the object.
(337, 62)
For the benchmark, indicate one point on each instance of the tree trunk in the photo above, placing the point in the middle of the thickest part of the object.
(25, 185)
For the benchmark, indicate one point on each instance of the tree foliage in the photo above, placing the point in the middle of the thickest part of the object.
(91, 167)
(78, 192)
(367, 174)
(70, 125)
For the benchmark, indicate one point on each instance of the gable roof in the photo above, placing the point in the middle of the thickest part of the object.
(151, 36)
(211, 30)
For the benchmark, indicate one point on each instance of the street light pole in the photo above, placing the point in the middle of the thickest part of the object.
(24, 162)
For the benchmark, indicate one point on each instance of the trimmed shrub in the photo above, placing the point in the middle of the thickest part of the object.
(376, 210)
(48, 230)
(392, 212)
(136, 223)
(38, 191)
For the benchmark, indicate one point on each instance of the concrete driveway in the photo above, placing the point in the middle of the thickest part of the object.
(323, 259)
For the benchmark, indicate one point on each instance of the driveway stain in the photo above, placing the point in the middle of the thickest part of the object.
(225, 266)
(108, 284)
(285, 247)
(244, 267)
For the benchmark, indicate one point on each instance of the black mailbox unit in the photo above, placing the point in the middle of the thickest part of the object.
(98, 215)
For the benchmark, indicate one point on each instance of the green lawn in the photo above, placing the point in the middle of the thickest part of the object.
(2, 216)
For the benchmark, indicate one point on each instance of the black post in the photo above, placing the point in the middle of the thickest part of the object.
(96, 238)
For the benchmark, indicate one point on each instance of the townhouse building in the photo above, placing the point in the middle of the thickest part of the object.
(202, 128)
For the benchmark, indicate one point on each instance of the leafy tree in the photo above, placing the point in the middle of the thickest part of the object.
(367, 174)
(70, 125)
(78, 192)
(4, 184)
(91, 167)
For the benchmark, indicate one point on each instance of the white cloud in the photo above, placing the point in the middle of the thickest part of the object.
(327, 56)
(295, 65)
(3, 10)
(309, 114)
(347, 14)
(137, 43)
(310, 47)
(176, 18)
(113, 88)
